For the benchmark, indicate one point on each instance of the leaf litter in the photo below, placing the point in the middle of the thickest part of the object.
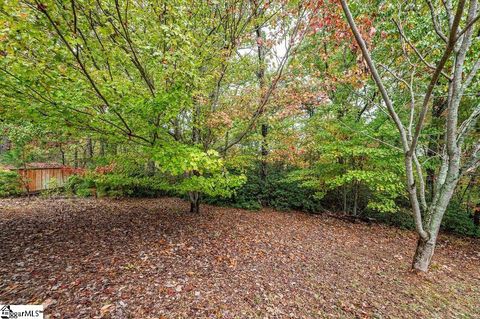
(150, 258)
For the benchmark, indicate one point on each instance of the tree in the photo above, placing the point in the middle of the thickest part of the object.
(457, 158)
(122, 70)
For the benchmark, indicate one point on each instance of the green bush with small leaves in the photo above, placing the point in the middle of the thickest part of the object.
(80, 185)
(10, 184)
(277, 191)
(459, 220)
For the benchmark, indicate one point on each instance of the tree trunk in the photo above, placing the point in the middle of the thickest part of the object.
(151, 168)
(423, 254)
(476, 218)
(5, 144)
(260, 38)
(102, 148)
(447, 180)
(438, 108)
(476, 215)
(114, 149)
(426, 247)
(355, 199)
(194, 202)
(62, 153)
(75, 158)
(89, 148)
(264, 153)
(88, 154)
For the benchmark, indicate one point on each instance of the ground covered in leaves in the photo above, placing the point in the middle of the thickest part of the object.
(150, 258)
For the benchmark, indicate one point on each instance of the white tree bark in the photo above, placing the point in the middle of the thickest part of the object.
(428, 216)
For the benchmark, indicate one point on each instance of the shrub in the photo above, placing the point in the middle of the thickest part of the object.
(116, 185)
(282, 193)
(459, 220)
(10, 184)
(52, 188)
(456, 220)
(82, 186)
(401, 218)
(278, 191)
(246, 197)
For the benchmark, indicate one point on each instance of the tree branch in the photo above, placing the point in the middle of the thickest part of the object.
(420, 56)
(436, 25)
(468, 26)
(448, 50)
(408, 157)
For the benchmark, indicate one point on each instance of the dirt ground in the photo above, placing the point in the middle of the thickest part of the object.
(150, 258)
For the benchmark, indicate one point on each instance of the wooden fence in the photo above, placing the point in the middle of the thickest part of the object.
(42, 176)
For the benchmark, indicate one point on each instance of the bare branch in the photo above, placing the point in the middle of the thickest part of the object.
(468, 125)
(468, 26)
(436, 24)
(366, 55)
(471, 75)
(291, 49)
(412, 191)
(448, 50)
(448, 7)
(420, 56)
(473, 163)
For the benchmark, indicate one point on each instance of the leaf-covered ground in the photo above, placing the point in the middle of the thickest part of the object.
(150, 258)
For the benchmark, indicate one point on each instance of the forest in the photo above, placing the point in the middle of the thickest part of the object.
(201, 146)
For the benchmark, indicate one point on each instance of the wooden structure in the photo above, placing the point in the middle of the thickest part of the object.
(42, 176)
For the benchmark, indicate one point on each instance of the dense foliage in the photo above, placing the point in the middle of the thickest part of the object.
(248, 103)
(9, 183)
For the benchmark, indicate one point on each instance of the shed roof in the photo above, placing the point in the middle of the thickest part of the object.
(35, 165)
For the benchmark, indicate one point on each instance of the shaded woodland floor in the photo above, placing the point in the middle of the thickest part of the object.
(150, 258)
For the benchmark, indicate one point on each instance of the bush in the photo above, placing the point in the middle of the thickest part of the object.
(281, 193)
(82, 186)
(456, 220)
(278, 192)
(53, 188)
(401, 218)
(459, 220)
(115, 185)
(10, 184)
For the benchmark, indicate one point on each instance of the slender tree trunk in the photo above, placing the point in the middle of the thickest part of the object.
(443, 195)
(5, 144)
(114, 149)
(476, 216)
(260, 35)
(75, 158)
(102, 147)
(151, 168)
(89, 148)
(355, 199)
(62, 153)
(438, 107)
(194, 202)
(264, 153)
(194, 196)
(341, 161)
(88, 151)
